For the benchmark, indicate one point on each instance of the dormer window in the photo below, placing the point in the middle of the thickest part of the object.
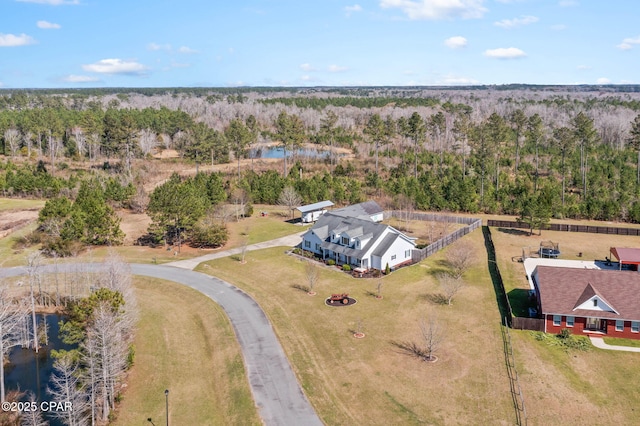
(595, 302)
(345, 241)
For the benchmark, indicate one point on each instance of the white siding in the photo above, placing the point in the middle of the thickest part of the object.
(398, 249)
(313, 240)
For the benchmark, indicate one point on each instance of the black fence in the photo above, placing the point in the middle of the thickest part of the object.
(611, 230)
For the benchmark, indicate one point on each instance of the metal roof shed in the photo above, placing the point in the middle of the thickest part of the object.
(626, 255)
(311, 212)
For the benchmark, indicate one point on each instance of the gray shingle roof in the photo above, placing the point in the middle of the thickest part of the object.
(329, 223)
(363, 210)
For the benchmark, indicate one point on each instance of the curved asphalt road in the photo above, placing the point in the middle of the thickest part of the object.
(275, 389)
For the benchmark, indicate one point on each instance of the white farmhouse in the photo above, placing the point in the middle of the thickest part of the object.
(358, 241)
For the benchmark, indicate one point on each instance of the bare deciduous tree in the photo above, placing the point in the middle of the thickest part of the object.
(313, 275)
(11, 318)
(432, 336)
(148, 141)
(12, 137)
(32, 417)
(66, 387)
(289, 198)
(460, 257)
(240, 199)
(33, 265)
(81, 140)
(451, 285)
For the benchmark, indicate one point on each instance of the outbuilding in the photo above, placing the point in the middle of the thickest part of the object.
(312, 212)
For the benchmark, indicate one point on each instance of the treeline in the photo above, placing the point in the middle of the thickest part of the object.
(496, 151)
(358, 102)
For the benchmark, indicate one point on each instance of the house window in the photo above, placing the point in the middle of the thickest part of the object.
(345, 241)
(407, 253)
(619, 325)
(393, 257)
(595, 302)
(635, 326)
(570, 321)
(307, 244)
(317, 247)
(557, 320)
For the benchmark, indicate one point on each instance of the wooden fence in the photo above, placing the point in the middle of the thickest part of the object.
(418, 255)
(611, 230)
(521, 323)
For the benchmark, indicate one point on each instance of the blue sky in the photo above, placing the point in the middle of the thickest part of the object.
(168, 43)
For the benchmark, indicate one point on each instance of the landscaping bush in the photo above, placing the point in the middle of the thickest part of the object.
(331, 262)
(346, 268)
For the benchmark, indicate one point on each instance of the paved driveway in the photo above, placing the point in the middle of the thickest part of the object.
(275, 389)
(288, 241)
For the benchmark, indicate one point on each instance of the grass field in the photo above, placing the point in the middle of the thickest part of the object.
(569, 387)
(370, 381)
(184, 343)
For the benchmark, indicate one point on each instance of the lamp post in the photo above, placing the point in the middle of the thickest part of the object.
(166, 399)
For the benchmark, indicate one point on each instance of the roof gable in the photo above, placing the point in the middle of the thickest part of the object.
(592, 300)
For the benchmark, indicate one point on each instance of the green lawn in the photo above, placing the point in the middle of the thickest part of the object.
(184, 343)
(616, 341)
(370, 380)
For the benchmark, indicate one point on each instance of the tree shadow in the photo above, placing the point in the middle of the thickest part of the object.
(410, 349)
(435, 298)
(521, 301)
(514, 231)
(300, 287)
(496, 278)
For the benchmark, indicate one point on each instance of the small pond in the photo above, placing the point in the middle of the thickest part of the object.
(278, 152)
(28, 371)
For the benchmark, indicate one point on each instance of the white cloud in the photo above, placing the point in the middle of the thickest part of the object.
(505, 53)
(583, 67)
(116, 66)
(456, 42)
(11, 40)
(628, 43)
(48, 25)
(352, 9)
(306, 67)
(51, 2)
(603, 80)
(337, 68)
(187, 50)
(437, 9)
(156, 46)
(79, 79)
(516, 22)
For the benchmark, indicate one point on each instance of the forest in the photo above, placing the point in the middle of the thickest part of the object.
(535, 152)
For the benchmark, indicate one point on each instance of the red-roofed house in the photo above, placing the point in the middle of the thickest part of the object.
(589, 301)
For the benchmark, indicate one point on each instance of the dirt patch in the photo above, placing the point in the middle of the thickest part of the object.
(12, 220)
